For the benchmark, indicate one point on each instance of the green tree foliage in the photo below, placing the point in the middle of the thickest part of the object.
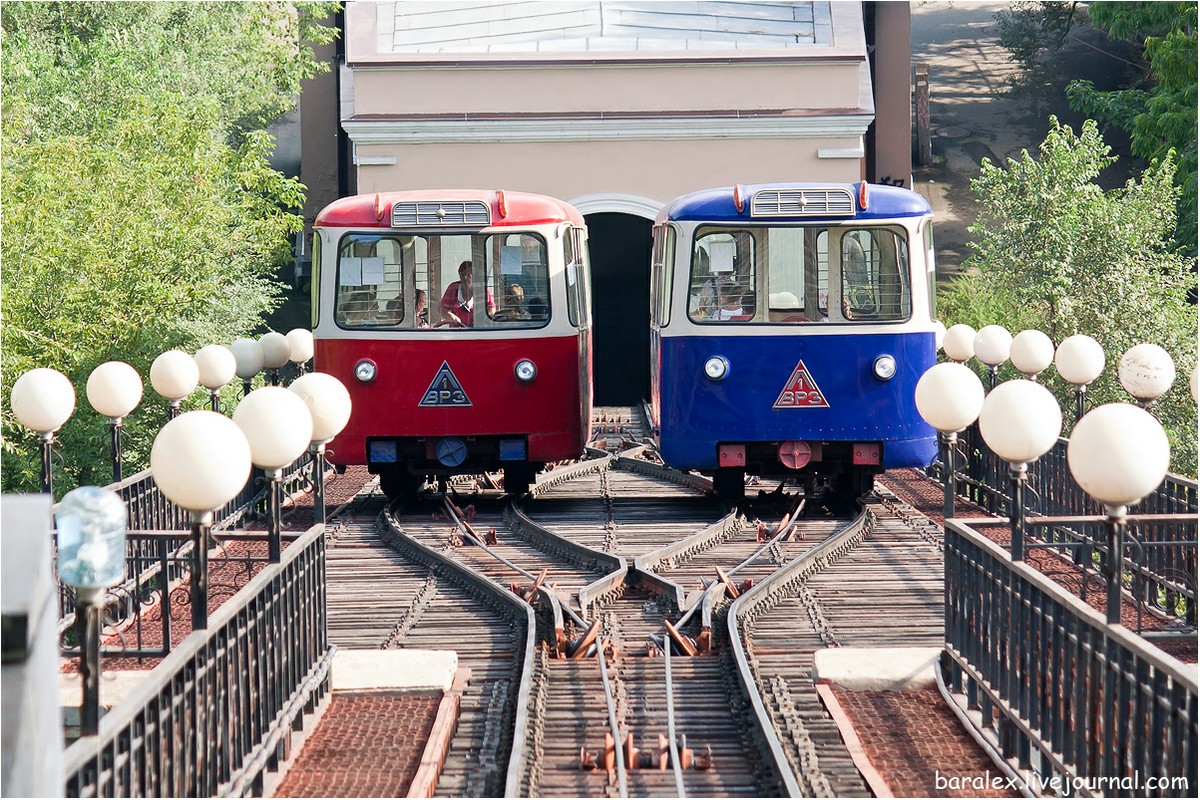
(1160, 112)
(1055, 252)
(140, 211)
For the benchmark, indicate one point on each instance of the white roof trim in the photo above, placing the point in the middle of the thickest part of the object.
(615, 202)
(849, 126)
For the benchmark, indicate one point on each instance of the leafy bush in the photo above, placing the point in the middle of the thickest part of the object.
(1054, 251)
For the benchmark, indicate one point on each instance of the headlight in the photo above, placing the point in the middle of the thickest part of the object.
(525, 370)
(365, 370)
(885, 367)
(716, 368)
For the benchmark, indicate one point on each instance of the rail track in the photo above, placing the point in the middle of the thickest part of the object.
(592, 614)
(385, 591)
(876, 582)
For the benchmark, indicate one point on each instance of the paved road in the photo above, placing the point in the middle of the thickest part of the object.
(970, 113)
(973, 115)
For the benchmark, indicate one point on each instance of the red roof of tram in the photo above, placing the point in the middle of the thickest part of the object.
(522, 208)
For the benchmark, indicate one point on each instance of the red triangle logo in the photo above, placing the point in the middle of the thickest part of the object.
(801, 391)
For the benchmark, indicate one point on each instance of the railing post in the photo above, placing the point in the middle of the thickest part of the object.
(949, 441)
(319, 482)
(201, 523)
(1113, 561)
(1016, 511)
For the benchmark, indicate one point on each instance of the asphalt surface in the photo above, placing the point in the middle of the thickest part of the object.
(975, 115)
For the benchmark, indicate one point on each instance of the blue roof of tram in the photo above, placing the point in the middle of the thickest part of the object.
(716, 205)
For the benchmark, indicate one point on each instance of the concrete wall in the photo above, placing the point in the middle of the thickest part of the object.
(31, 734)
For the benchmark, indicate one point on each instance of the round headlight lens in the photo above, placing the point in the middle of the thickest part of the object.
(365, 370)
(885, 367)
(716, 368)
(525, 370)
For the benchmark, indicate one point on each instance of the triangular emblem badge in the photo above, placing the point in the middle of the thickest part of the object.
(801, 391)
(445, 390)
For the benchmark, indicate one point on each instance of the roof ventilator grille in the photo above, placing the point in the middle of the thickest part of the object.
(802, 203)
(472, 213)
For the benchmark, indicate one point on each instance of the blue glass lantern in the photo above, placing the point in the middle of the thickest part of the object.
(91, 538)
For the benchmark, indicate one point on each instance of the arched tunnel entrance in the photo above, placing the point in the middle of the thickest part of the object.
(620, 254)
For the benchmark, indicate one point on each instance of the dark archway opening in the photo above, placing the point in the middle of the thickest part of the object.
(620, 253)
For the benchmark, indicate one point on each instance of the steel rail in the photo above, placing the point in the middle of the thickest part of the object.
(520, 746)
(712, 594)
(610, 702)
(556, 605)
(546, 539)
(675, 765)
(741, 607)
(626, 460)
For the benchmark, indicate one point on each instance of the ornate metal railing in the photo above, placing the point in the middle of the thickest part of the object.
(1162, 571)
(216, 712)
(156, 557)
(1073, 699)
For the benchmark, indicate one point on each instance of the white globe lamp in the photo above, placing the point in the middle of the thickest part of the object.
(959, 343)
(200, 461)
(300, 344)
(278, 427)
(276, 353)
(248, 355)
(328, 402)
(42, 400)
(992, 345)
(949, 397)
(1118, 453)
(1032, 351)
(217, 367)
(174, 375)
(277, 424)
(1020, 422)
(1079, 360)
(1146, 371)
(114, 389)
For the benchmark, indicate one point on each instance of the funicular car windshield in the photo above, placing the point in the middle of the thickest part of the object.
(442, 281)
(789, 275)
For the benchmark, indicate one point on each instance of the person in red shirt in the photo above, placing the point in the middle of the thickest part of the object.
(458, 303)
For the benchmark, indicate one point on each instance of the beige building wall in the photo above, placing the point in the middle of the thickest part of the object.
(641, 124)
(654, 170)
